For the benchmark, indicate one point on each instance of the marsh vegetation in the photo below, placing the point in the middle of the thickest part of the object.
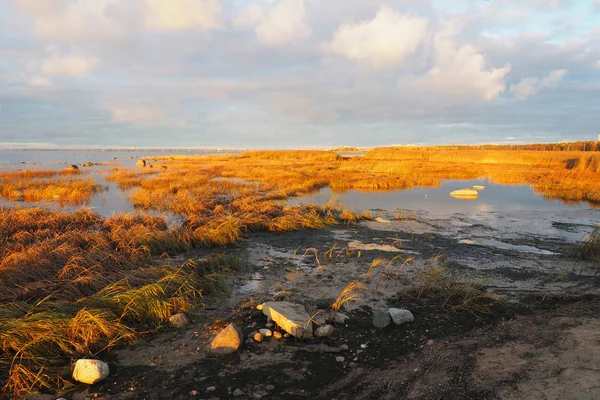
(76, 283)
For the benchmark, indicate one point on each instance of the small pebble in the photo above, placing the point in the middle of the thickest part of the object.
(353, 365)
(211, 388)
(268, 325)
(430, 342)
(192, 393)
(266, 332)
(256, 336)
(340, 359)
(256, 396)
(270, 387)
(277, 335)
(363, 346)
(238, 393)
(344, 346)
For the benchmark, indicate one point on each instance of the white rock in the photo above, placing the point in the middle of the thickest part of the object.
(178, 320)
(324, 331)
(90, 371)
(238, 393)
(400, 315)
(340, 359)
(290, 317)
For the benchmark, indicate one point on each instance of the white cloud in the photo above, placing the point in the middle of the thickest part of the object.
(71, 65)
(76, 21)
(137, 113)
(531, 86)
(284, 24)
(386, 40)
(463, 70)
(177, 15)
(38, 81)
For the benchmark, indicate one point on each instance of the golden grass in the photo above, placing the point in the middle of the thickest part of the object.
(75, 284)
(566, 175)
(65, 186)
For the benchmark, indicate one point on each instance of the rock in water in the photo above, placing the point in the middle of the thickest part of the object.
(324, 331)
(228, 341)
(72, 167)
(179, 320)
(467, 193)
(478, 187)
(400, 315)
(90, 371)
(290, 317)
(381, 318)
(141, 163)
(383, 220)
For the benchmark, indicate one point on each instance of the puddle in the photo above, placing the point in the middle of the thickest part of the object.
(507, 246)
(254, 284)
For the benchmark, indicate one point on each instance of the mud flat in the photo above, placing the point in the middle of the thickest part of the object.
(540, 341)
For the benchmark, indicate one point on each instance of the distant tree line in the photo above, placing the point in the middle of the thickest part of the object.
(565, 146)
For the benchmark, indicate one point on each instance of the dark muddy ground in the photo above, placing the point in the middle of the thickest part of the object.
(542, 343)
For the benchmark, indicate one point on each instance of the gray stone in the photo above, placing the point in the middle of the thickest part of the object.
(340, 359)
(400, 315)
(290, 317)
(178, 320)
(228, 341)
(337, 318)
(238, 393)
(90, 371)
(72, 167)
(381, 318)
(324, 331)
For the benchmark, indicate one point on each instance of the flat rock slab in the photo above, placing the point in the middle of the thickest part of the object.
(290, 317)
(228, 341)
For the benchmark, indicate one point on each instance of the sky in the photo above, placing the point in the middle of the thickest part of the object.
(297, 73)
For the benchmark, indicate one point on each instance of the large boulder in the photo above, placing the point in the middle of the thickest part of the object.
(90, 371)
(400, 315)
(228, 341)
(290, 317)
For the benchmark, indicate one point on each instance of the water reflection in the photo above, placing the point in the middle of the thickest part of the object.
(437, 200)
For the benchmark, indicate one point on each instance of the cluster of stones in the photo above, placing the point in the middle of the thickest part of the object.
(382, 318)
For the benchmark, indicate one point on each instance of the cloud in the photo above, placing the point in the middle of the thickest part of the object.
(283, 24)
(124, 112)
(528, 87)
(463, 70)
(178, 15)
(386, 40)
(71, 65)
